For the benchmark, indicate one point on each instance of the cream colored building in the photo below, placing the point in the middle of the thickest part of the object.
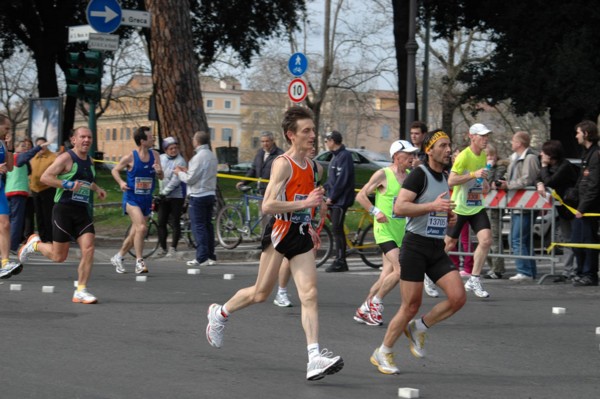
(237, 117)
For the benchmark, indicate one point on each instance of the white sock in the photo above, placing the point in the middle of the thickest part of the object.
(282, 290)
(313, 351)
(420, 325)
(385, 349)
(376, 299)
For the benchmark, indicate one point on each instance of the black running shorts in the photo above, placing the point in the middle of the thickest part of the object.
(70, 222)
(478, 222)
(296, 242)
(420, 255)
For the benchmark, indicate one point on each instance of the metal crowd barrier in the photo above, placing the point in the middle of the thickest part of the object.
(543, 226)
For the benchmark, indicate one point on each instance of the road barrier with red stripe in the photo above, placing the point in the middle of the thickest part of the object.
(517, 199)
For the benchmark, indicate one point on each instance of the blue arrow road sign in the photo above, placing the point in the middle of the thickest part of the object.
(298, 64)
(104, 15)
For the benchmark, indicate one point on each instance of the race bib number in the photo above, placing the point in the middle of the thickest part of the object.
(143, 185)
(394, 216)
(436, 224)
(474, 195)
(83, 193)
(301, 215)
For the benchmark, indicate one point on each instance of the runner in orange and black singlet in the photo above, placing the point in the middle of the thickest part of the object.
(288, 232)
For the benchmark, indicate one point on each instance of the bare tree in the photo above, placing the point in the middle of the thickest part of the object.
(17, 84)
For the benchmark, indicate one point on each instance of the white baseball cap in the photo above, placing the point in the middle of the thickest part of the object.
(480, 129)
(402, 145)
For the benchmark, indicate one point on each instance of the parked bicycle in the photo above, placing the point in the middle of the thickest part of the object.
(242, 221)
(361, 241)
(151, 239)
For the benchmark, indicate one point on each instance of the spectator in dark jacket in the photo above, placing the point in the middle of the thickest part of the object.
(261, 166)
(340, 195)
(558, 174)
(585, 228)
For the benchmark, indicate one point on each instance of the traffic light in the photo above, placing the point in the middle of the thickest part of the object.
(84, 78)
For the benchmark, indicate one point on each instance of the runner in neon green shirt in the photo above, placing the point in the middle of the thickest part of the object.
(387, 227)
(468, 181)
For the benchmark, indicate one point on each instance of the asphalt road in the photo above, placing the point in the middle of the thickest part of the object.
(147, 339)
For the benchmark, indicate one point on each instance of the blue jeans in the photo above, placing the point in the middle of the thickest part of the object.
(520, 237)
(585, 231)
(200, 210)
(17, 220)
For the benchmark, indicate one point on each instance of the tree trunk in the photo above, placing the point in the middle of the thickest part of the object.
(175, 72)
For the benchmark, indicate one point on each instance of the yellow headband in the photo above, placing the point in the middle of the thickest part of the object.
(439, 135)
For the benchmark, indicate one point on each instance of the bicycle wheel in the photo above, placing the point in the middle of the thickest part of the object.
(229, 227)
(369, 251)
(324, 252)
(150, 240)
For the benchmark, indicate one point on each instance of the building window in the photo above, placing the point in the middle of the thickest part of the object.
(256, 117)
(385, 132)
(122, 131)
(212, 133)
(226, 134)
(128, 133)
(107, 137)
(227, 104)
(209, 103)
(114, 134)
(255, 142)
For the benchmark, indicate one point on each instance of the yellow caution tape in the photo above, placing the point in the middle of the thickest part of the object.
(570, 208)
(572, 245)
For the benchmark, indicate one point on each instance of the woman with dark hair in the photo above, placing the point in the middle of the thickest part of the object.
(559, 174)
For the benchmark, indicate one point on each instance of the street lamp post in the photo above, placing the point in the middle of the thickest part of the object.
(411, 50)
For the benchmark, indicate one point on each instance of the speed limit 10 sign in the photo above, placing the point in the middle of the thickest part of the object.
(297, 90)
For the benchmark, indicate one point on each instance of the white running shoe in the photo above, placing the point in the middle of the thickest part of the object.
(117, 262)
(474, 284)
(430, 288)
(416, 338)
(384, 362)
(215, 327)
(376, 311)
(323, 364)
(520, 277)
(10, 269)
(140, 266)
(27, 248)
(282, 300)
(194, 263)
(364, 317)
(84, 296)
(172, 253)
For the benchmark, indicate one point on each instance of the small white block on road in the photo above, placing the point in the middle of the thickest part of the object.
(16, 287)
(408, 393)
(75, 283)
(557, 310)
(193, 271)
(141, 279)
(228, 276)
(597, 330)
(48, 289)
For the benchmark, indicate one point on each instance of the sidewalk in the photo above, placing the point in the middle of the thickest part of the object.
(107, 246)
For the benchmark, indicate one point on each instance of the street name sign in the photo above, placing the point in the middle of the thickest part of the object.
(80, 33)
(135, 18)
(103, 42)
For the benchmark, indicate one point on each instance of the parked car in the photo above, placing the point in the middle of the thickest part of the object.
(237, 169)
(366, 162)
